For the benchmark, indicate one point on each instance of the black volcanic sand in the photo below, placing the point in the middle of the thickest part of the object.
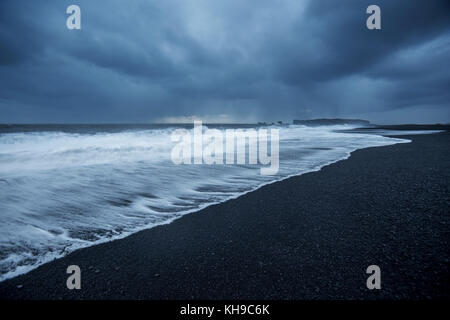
(308, 237)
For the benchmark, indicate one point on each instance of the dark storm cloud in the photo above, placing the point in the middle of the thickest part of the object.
(143, 61)
(344, 46)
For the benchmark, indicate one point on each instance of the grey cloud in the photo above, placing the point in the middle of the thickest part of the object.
(252, 60)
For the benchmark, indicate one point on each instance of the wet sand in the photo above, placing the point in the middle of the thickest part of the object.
(307, 237)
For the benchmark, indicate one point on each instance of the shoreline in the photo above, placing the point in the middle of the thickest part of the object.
(143, 265)
(169, 221)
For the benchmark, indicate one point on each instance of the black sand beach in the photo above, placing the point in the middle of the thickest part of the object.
(308, 237)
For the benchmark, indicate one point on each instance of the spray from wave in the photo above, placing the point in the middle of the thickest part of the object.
(60, 191)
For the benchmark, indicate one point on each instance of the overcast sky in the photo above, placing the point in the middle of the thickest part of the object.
(224, 60)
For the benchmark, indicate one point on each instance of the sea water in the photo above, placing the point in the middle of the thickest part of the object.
(64, 187)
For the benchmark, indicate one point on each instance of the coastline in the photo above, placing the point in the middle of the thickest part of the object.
(305, 237)
(58, 254)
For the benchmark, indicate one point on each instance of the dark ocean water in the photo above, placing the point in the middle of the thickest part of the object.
(64, 187)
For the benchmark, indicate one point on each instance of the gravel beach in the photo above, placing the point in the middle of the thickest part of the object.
(307, 237)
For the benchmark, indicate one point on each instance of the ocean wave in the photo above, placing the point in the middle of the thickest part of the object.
(60, 191)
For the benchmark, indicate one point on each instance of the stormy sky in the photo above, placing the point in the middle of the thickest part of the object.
(224, 61)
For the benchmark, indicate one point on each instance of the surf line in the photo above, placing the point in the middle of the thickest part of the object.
(200, 146)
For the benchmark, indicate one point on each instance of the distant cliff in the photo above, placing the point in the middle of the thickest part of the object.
(329, 122)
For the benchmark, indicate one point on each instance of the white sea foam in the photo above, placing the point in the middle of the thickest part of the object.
(63, 191)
